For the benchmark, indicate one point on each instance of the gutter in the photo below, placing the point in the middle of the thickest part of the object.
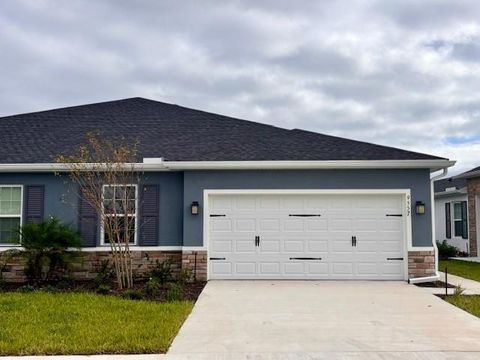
(159, 164)
(434, 242)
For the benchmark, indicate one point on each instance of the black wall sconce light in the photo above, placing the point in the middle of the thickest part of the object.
(194, 208)
(419, 208)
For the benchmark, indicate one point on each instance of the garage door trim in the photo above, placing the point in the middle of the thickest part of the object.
(406, 195)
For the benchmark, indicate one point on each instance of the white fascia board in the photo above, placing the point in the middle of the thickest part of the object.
(158, 164)
(433, 165)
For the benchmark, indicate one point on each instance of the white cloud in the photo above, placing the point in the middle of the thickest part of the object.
(401, 73)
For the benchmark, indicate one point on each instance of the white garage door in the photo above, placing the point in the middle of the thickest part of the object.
(306, 237)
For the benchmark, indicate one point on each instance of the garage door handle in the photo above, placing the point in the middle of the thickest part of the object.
(215, 258)
(354, 241)
(305, 258)
(394, 258)
(257, 240)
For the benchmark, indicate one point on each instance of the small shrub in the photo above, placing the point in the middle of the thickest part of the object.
(184, 277)
(152, 287)
(162, 271)
(103, 289)
(49, 248)
(458, 291)
(104, 275)
(26, 288)
(446, 250)
(174, 292)
(50, 289)
(132, 294)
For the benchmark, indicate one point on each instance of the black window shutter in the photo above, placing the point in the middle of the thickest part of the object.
(448, 221)
(464, 220)
(149, 215)
(34, 203)
(87, 222)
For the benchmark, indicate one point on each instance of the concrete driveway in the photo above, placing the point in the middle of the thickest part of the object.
(325, 320)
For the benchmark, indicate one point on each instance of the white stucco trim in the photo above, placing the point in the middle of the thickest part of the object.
(407, 209)
(158, 164)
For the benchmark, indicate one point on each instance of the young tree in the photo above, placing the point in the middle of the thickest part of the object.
(104, 171)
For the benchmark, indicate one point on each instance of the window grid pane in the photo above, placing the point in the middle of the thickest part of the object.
(119, 203)
(10, 200)
(457, 211)
(9, 230)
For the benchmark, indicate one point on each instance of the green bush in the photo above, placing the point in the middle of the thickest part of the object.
(446, 250)
(132, 294)
(184, 277)
(152, 287)
(105, 274)
(174, 292)
(26, 289)
(49, 248)
(162, 271)
(103, 289)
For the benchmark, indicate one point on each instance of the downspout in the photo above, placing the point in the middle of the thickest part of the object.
(434, 242)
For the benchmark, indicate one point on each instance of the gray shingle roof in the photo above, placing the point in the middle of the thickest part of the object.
(177, 134)
(442, 184)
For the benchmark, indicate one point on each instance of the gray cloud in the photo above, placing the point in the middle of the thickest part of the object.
(400, 73)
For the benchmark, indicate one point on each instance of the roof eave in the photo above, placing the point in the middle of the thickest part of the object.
(158, 164)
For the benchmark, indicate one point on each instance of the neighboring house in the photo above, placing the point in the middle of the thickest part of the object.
(472, 178)
(272, 203)
(451, 214)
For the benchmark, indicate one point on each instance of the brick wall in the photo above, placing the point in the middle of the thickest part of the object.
(196, 262)
(86, 267)
(421, 263)
(473, 188)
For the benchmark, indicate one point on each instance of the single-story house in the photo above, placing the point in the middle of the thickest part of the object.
(230, 198)
(457, 210)
(451, 212)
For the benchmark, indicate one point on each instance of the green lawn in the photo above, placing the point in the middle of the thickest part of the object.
(470, 303)
(466, 269)
(83, 323)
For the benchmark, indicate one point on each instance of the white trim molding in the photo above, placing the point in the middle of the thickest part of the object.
(158, 164)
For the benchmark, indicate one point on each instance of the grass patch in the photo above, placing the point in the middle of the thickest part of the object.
(82, 323)
(469, 303)
(466, 269)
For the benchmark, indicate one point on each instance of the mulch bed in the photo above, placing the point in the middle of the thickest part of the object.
(191, 291)
(435, 284)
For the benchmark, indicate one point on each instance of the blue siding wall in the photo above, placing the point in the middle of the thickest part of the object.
(416, 180)
(61, 200)
(178, 190)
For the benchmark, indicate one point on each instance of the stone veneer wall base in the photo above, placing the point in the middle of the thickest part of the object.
(87, 267)
(421, 263)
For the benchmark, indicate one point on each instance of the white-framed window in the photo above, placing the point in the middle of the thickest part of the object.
(120, 207)
(459, 219)
(11, 206)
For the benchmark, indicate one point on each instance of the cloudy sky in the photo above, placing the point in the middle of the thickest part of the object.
(401, 73)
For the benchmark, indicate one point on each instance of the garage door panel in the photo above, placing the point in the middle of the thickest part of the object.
(268, 225)
(293, 224)
(317, 245)
(294, 268)
(322, 227)
(222, 246)
(294, 246)
(245, 225)
(245, 268)
(269, 268)
(316, 224)
(343, 225)
(245, 246)
(342, 268)
(221, 225)
(269, 246)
